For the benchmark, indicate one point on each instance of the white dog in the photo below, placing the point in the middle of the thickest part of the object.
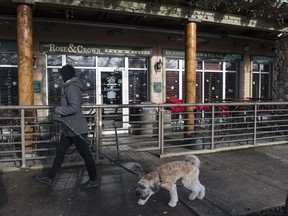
(166, 176)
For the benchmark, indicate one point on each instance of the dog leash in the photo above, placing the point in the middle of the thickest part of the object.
(58, 118)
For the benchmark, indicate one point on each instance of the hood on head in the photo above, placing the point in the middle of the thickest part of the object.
(67, 72)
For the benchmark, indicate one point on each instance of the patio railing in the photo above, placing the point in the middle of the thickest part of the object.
(29, 134)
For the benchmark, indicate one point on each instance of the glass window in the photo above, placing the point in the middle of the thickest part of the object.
(210, 89)
(261, 84)
(212, 65)
(172, 64)
(213, 87)
(137, 63)
(255, 85)
(137, 86)
(199, 65)
(8, 59)
(255, 67)
(265, 90)
(265, 67)
(230, 89)
(199, 87)
(54, 86)
(81, 61)
(172, 84)
(229, 66)
(87, 76)
(54, 60)
(8, 86)
(111, 62)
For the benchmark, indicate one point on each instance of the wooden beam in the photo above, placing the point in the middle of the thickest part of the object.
(139, 8)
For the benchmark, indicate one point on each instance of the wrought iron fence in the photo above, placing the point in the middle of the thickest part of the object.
(29, 134)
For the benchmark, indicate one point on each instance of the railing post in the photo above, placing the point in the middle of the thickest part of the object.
(23, 144)
(98, 132)
(255, 124)
(161, 130)
(213, 125)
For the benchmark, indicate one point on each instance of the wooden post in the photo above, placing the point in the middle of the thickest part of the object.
(190, 73)
(25, 61)
(25, 54)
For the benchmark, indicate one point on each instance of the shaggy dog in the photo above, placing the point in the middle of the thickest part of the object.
(166, 176)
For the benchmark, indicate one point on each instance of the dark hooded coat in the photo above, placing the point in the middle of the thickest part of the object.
(70, 109)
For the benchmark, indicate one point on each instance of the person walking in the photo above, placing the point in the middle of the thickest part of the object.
(71, 113)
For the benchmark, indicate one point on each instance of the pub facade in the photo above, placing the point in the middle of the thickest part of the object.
(131, 66)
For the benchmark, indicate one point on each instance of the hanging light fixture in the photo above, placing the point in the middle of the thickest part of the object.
(158, 66)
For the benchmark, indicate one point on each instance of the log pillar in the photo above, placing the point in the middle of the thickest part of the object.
(190, 73)
(25, 52)
(25, 62)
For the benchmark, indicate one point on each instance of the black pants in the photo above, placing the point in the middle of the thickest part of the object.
(84, 151)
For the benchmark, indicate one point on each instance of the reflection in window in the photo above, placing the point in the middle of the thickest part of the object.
(8, 59)
(172, 64)
(87, 76)
(137, 63)
(199, 65)
(111, 62)
(54, 60)
(230, 66)
(81, 61)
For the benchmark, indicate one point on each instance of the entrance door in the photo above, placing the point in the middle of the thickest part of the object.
(113, 90)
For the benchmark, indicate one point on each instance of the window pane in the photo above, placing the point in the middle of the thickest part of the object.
(255, 67)
(230, 89)
(255, 93)
(265, 68)
(84, 61)
(137, 86)
(87, 76)
(172, 84)
(212, 65)
(111, 62)
(265, 86)
(137, 63)
(54, 60)
(199, 65)
(9, 86)
(8, 58)
(230, 66)
(213, 87)
(199, 87)
(172, 64)
(54, 86)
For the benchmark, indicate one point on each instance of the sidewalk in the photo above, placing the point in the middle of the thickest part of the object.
(237, 183)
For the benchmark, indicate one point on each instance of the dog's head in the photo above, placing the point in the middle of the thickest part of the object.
(147, 186)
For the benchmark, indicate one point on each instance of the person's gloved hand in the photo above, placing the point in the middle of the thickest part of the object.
(55, 110)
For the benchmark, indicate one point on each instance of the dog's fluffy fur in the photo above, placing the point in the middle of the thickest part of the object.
(166, 176)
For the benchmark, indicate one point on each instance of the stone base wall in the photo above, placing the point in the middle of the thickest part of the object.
(280, 76)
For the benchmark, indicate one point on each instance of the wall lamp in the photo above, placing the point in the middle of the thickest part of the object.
(158, 66)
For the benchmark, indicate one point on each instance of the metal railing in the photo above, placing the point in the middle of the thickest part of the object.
(29, 134)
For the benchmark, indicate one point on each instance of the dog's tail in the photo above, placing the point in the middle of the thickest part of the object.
(193, 159)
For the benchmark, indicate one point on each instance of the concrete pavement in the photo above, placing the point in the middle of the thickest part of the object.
(237, 183)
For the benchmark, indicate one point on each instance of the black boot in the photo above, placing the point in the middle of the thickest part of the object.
(45, 180)
(89, 184)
